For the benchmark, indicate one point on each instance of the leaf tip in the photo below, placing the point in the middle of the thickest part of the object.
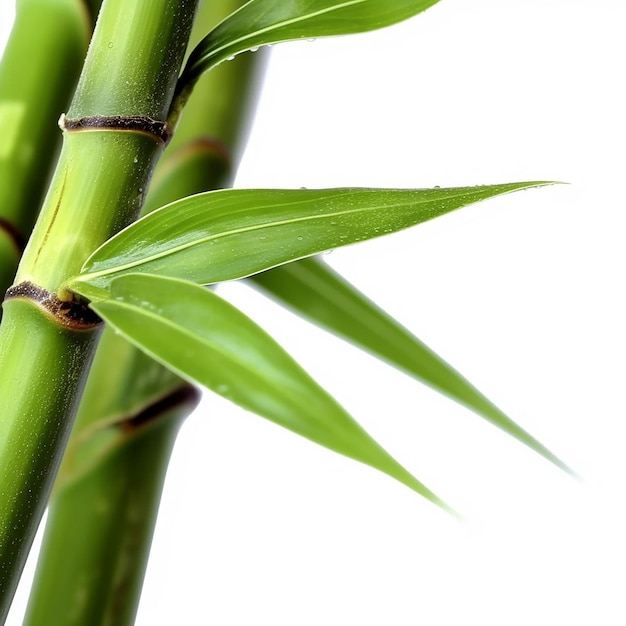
(549, 183)
(568, 470)
(431, 496)
(450, 511)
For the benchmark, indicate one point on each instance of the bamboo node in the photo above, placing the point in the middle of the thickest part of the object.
(71, 314)
(185, 395)
(125, 123)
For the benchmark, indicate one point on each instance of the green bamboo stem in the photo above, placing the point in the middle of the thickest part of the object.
(124, 383)
(30, 440)
(108, 542)
(38, 72)
(105, 500)
(222, 98)
(199, 165)
(206, 148)
(97, 189)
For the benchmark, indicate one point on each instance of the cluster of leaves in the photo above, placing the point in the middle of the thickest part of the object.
(149, 281)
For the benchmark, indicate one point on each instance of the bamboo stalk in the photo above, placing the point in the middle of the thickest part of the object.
(39, 70)
(83, 552)
(100, 526)
(111, 145)
(29, 438)
(106, 497)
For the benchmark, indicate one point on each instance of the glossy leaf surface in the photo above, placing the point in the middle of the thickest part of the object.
(204, 339)
(233, 233)
(316, 292)
(262, 22)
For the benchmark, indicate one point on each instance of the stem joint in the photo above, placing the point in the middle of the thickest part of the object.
(69, 314)
(160, 131)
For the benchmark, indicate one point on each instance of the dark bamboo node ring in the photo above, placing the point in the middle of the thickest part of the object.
(73, 315)
(185, 395)
(14, 235)
(213, 146)
(128, 123)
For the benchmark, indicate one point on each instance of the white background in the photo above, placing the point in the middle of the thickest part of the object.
(523, 294)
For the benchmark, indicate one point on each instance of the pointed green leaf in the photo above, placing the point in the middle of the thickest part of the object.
(316, 292)
(233, 233)
(262, 22)
(204, 339)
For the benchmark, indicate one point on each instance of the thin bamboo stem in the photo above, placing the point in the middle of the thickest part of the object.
(40, 386)
(29, 438)
(102, 523)
(124, 382)
(88, 474)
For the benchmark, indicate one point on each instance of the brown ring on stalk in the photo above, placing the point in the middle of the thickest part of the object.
(187, 394)
(73, 315)
(129, 123)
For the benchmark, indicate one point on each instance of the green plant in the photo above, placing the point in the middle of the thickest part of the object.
(137, 281)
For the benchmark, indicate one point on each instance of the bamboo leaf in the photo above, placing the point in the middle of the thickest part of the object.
(316, 292)
(233, 233)
(206, 340)
(262, 22)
